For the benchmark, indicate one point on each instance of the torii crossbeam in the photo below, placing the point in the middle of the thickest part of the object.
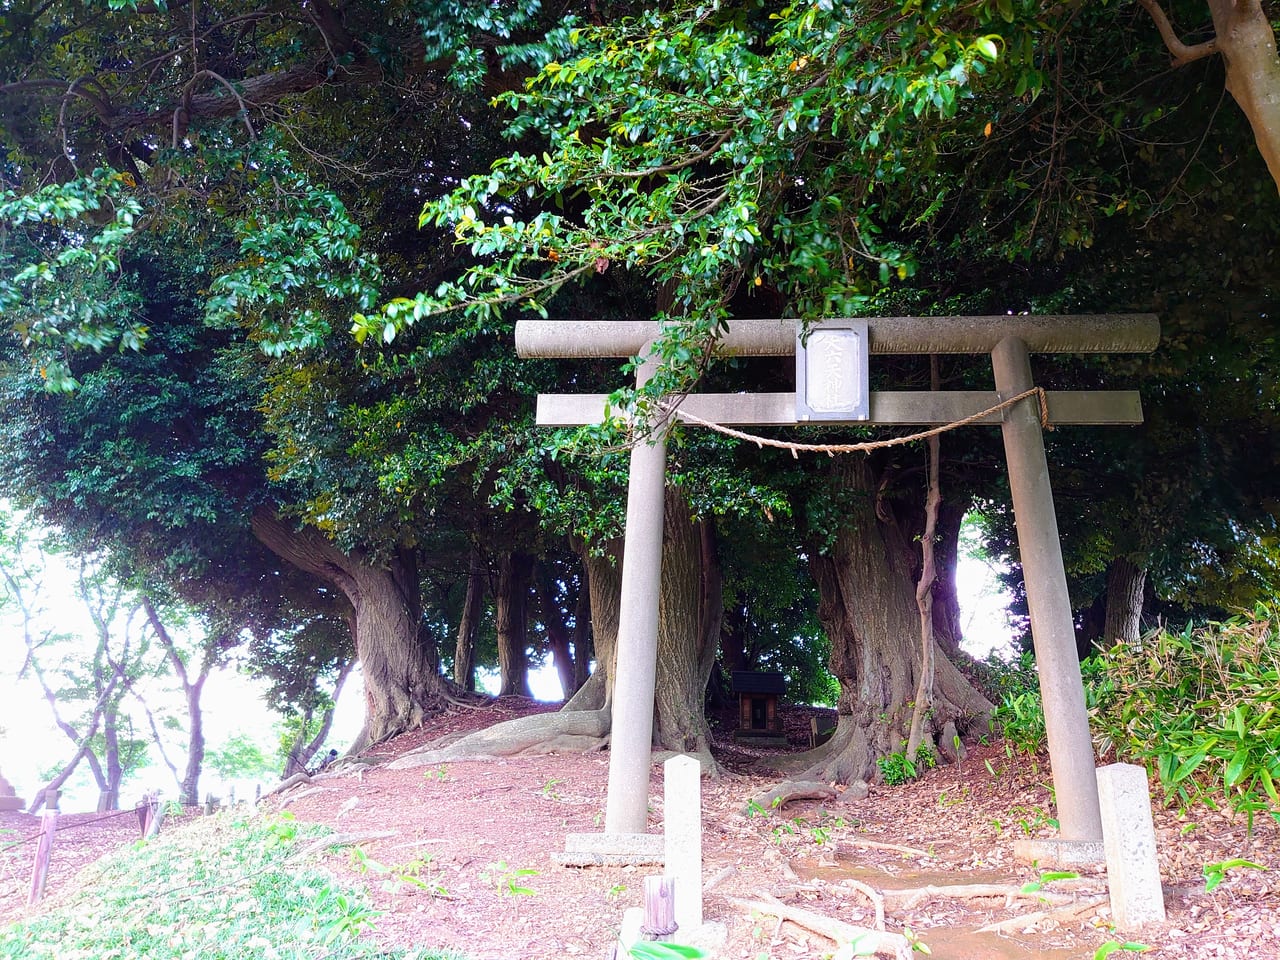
(1009, 340)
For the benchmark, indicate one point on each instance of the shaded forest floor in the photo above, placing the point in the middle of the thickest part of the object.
(448, 845)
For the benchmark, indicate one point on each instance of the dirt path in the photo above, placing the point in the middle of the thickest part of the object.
(459, 838)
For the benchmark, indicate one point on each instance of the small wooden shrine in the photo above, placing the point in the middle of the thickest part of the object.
(758, 694)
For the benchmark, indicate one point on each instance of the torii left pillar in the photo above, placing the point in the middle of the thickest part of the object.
(631, 740)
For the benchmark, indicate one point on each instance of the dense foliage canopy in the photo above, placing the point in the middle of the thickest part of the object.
(259, 266)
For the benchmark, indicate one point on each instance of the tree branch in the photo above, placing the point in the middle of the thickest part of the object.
(307, 549)
(166, 641)
(1182, 53)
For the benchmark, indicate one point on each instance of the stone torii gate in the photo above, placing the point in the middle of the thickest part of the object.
(1010, 340)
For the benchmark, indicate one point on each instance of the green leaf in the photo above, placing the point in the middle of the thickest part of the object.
(1187, 767)
(1112, 946)
(647, 950)
(1236, 767)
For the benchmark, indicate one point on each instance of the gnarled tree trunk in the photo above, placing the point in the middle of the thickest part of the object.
(690, 612)
(603, 587)
(582, 634)
(868, 609)
(400, 686)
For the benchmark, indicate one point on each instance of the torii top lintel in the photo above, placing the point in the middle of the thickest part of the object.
(1078, 333)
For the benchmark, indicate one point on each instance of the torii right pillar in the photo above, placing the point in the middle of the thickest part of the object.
(1066, 719)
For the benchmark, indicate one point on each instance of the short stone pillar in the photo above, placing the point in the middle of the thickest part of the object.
(1129, 838)
(682, 799)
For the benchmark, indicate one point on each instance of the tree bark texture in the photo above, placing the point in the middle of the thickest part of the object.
(464, 658)
(1125, 584)
(690, 612)
(400, 686)
(512, 624)
(868, 609)
(604, 590)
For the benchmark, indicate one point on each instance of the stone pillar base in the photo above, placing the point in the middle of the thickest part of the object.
(612, 849)
(1060, 854)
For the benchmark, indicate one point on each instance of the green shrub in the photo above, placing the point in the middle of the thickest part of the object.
(897, 768)
(1019, 714)
(1200, 709)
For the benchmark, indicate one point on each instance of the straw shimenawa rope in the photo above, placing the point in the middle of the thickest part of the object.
(831, 449)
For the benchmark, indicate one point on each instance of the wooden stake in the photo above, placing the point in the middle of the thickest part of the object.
(155, 818)
(659, 908)
(40, 870)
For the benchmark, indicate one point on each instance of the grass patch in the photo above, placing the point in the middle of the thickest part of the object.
(223, 887)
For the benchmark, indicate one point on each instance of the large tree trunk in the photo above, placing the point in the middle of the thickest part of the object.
(690, 612)
(868, 608)
(464, 658)
(603, 587)
(1125, 584)
(400, 686)
(512, 624)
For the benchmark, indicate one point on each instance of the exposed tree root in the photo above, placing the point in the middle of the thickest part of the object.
(566, 730)
(1028, 920)
(976, 891)
(816, 758)
(344, 840)
(287, 784)
(871, 893)
(843, 853)
(845, 887)
(721, 876)
(877, 941)
(775, 798)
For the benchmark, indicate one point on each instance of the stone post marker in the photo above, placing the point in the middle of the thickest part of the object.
(1129, 837)
(682, 800)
